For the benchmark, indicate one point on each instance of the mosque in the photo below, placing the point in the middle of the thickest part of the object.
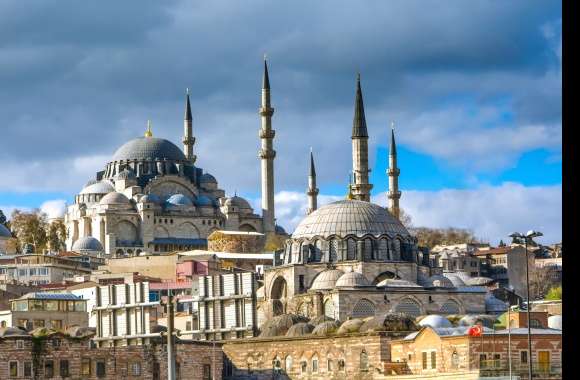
(151, 197)
(355, 259)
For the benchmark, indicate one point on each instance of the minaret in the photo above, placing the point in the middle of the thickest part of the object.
(393, 171)
(312, 191)
(188, 139)
(361, 188)
(267, 155)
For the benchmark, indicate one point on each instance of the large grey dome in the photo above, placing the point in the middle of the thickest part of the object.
(349, 217)
(87, 243)
(144, 148)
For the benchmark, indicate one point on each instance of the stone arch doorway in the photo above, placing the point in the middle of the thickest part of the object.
(278, 295)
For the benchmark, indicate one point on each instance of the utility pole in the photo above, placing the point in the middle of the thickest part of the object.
(170, 354)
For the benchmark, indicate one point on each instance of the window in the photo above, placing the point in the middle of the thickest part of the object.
(13, 369)
(496, 360)
(303, 366)
(48, 369)
(56, 324)
(364, 361)
(341, 364)
(315, 364)
(424, 360)
(206, 372)
(482, 360)
(288, 364)
(38, 323)
(27, 369)
(534, 323)
(433, 359)
(136, 369)
(454, 360)
(23, 323)
(64, 372)
(329, 365)
(20, 344)
(3, 324)
(524, 357)
(101, 368)
(85, 366)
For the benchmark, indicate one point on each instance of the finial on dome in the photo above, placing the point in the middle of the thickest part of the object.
(392, 125)
(148, 133)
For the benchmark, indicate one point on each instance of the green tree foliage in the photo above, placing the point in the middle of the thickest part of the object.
(30, 229)
(554, 293)
(56, 236)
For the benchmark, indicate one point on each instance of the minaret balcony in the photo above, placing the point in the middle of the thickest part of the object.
(393, 171)
(266, 154)
(311, 192)
(188, 140)
(266, 111)
(393, 194)
(267, 133)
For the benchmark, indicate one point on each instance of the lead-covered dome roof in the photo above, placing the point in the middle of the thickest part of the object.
(100, 187)
(87, 243)
(144, 148)
(349, 217)
(4, 232)
(326, 280)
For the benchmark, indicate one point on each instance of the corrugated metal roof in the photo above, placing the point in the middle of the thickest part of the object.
(51, 296)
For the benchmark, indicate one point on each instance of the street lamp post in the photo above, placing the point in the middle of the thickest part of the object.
(529, 235)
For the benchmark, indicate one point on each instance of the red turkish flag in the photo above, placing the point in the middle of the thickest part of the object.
(475, 330)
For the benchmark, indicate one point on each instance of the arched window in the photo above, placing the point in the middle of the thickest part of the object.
(303, 366)
(454, 360)
(315, 364)
(350, 249)
(363, 308)
(383, 250)
(317, 251)
(332, 250)
(535, 323)
(368, 252)
(288, 364)
(450, 307)
(364, 361)
(408, 306)
(329, 309)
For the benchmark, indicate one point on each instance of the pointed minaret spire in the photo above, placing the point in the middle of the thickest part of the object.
(393, 172)
(267, 155)
(360, 188)
(312, 191)
(188, 139)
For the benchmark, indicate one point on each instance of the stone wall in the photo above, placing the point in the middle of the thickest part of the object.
(363, 357)
(133, 362)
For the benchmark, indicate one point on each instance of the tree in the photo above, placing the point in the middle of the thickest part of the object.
(30, 229)
(56, 236)
(540, 282)
(430, 237)
(554, 293)
(405, 219)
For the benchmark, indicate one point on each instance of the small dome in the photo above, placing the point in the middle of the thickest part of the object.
(397, 283)
(479, 281)
(179, 200)
(326, 328)
(389, 322)
(494, 305)
(280, 324)
(326, 280)
(352, 280)
(204, 201)
(150, 198)
(101, 187)
(350, 326)
(207, 178)
(472, 319)
(126, 174)
(455, 279)
(280, 230)
(12, 331)
(87, 243)
(349, 217)
(321, 318)
(115, 198)
(4, 232)
(555, 322)
(147, 148)
(435, 321)
(300, 329)
(238, 202)
(438, 281)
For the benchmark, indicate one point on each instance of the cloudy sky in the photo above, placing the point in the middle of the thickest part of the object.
(474, 88)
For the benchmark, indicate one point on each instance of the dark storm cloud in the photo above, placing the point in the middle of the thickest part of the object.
(78, 79)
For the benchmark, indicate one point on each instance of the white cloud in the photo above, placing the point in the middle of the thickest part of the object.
(54, 208)
(492, 212)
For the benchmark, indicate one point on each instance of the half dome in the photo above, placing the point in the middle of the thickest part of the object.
(349, 217)
(326, 280)
(352, 280)
(148, 148)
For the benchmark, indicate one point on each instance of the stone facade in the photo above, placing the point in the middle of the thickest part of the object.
(76, 358)
(355, 356)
